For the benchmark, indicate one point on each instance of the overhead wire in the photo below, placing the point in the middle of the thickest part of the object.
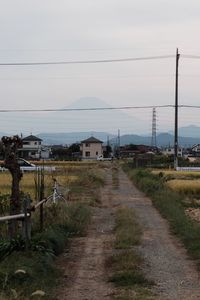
(190, 56)
(96, 108)
(84, 109)
(86, 61)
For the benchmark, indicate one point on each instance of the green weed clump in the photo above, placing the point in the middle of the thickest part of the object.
(126, 262)
(128, 231)
(171, 205)
(30, 270)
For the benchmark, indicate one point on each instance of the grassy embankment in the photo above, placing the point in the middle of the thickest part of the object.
(171, 205)
(22, 273)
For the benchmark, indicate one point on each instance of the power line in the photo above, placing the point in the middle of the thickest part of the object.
(191, 56)
(86, 61)
(190, 106)
(83, 109)
(96, 61)
(96, 108)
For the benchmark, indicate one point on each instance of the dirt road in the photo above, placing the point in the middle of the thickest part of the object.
(165, 260)
(85, 277)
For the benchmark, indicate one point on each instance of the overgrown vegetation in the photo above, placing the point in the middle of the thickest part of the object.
(126, 262)
(115, 176)
(26, 271)
(171, 205)
(30, 273)
(86, 187)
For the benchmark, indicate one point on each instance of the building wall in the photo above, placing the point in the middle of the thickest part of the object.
(91, 150)
(170, 151)
(32, 144)
(32, 150)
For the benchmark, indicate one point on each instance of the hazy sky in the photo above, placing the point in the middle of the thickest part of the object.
(34, 31)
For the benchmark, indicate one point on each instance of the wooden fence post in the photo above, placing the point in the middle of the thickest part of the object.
(41, 217)
(26, 223)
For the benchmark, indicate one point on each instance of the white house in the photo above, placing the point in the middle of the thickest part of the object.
(170, 151)
(91, 148)
(32, 148)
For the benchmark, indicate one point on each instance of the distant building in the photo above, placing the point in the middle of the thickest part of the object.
(196, 148)
(132, 150)
(170, 151)
(91, 148)
(32, 148)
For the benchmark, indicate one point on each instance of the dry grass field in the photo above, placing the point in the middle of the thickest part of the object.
(184, 182)
(27, 183)
(73, 176)
(185, 186)
(177, 174)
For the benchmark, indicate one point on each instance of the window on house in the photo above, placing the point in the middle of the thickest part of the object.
(87, 145)
(87, 153)
(97, 153)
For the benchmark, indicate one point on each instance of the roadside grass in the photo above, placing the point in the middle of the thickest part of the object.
(27, 271)
(115, 176)
(87, 187)
(171, 205)
(23, 272)
(125, 263)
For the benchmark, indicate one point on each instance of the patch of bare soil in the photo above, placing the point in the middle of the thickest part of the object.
(193, 213)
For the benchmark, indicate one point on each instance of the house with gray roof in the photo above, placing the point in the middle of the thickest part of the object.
(91, 148)
(32, 148)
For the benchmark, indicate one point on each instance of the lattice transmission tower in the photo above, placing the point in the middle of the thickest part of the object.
(153, 137)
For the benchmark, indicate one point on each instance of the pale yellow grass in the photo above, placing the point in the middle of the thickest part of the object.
(27, 183)
(184, 186)
(177, 174)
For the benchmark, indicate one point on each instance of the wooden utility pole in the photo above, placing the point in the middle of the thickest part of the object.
(176, 114)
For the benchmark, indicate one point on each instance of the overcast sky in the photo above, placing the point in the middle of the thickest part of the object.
(40, 31)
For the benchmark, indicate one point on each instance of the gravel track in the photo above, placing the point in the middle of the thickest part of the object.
(165, 259)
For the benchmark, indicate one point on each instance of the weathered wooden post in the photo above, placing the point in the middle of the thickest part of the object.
(26, 223)
(41, 198)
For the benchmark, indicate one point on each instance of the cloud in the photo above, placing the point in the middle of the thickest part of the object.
(92, 29)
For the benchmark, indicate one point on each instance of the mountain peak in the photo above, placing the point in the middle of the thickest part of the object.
(88, 102)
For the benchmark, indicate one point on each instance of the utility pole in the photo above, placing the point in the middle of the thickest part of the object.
(153, 137)
(118, 143)
(176, 114)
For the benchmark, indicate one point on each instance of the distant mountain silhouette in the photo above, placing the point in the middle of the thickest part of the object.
(72, 137)
(99, 120)
(189, 131)
(163, 139)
